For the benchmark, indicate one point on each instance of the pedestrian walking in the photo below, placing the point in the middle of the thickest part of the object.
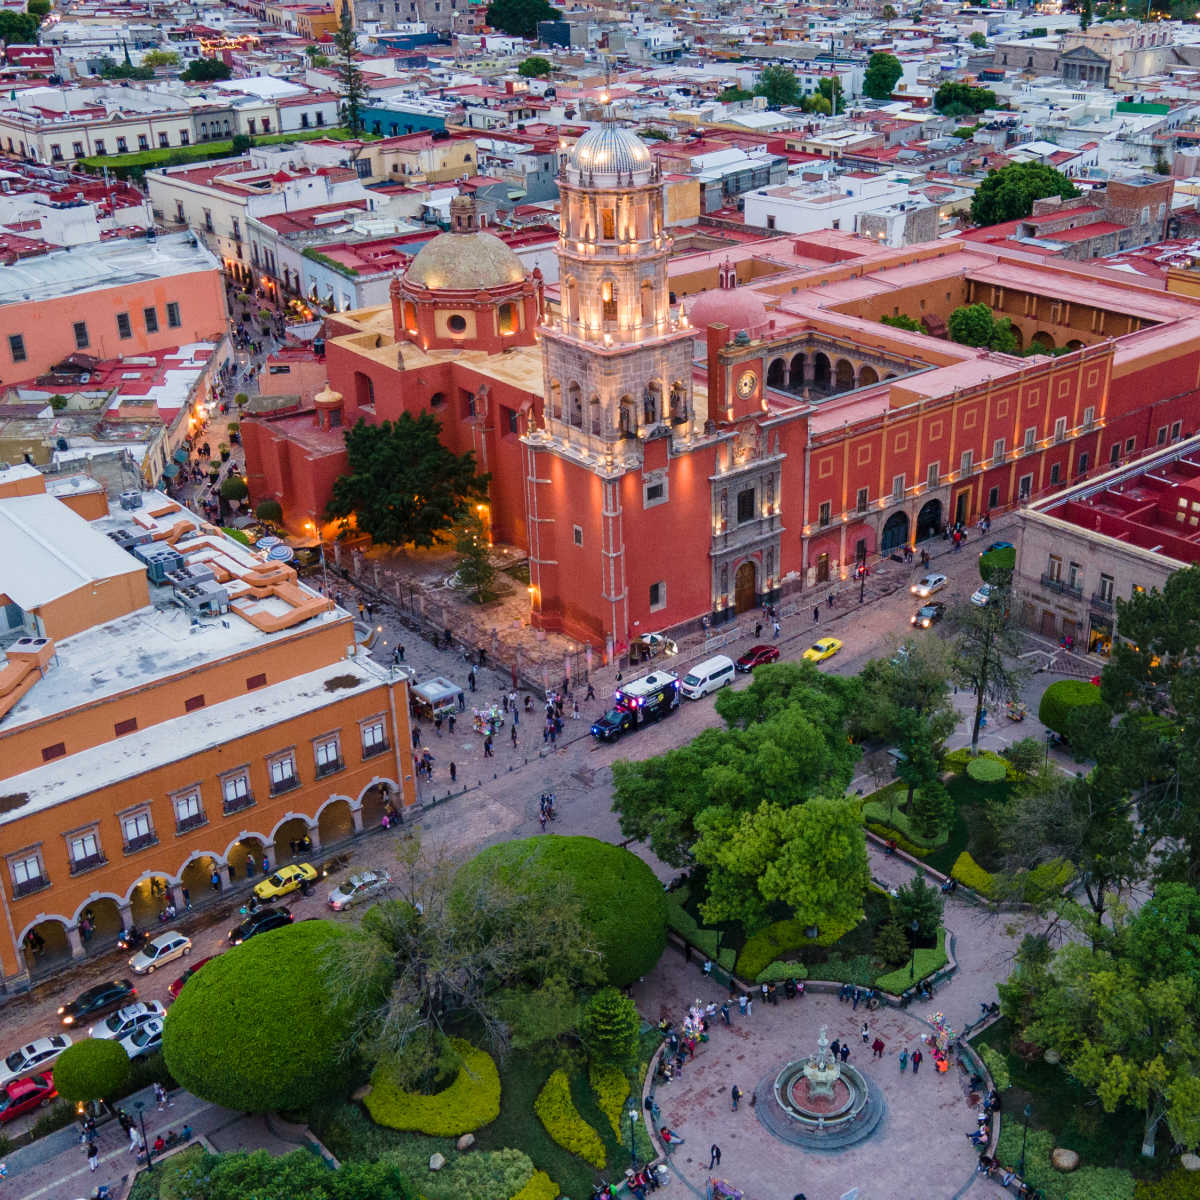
(487, 746)
(187, 899)
(135, 1140)
(816, 613)
(725, 1014)
(124, 1120)
(742, 1004)
(591, 692)
(215, 882)
(400, 652)
(453, 772)
(575, 712)
(877, 1048)
(450, 719)
(845, 1052)
(749, 1007)
(903, 1061)
(855, 997)
(775, 629)
(471, 679)
(735, 1094)
(513, 732)
(836, 1048)
(93, 1156)
(865, 1034)
(758, 629)
(916, 1060)
(164, 1100)
(714, 1156)
(250, 865)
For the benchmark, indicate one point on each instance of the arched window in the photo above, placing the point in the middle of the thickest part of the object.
(647, 303)
(652, 402)
(555, 399)
(595, 416)
(507, 318)
(608, 221)
(628, 417)
(410, 316)
(608, 300)
(364, 389)
(572, 299)
(575, 406)
(678, 403)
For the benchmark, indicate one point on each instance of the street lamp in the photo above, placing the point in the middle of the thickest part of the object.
(914, 926)
(140, 1105)
(633, 1116)
(1024, 1135)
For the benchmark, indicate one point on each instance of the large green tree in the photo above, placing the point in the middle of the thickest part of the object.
(1009, 193)
(206, 70)
(91, 1069)
(882, 74)
(266, 1025)
(610, 1028)
(984, 658)
(476, 571)
(958, 99)
(38, 8)
(18, 27)
(535, 67)
(974, 325)
(350, 76)
(811, 857)
(519, 18)
(1124, 1015)
(785, 738)
(402, 486)
(827, 99)
(779, 86)
(300, 1175)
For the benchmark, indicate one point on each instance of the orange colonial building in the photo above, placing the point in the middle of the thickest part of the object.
(688, 437)
(109, 300)
(170, 703)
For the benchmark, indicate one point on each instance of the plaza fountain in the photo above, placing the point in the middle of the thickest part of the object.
(818, 1102)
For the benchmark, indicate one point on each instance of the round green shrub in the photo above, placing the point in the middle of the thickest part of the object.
(1063, 698)
(269, 510)
(260, 1028)
(469, 1103)
(234, 488)
(94, 1069)
(622, 902)
(997, 566)
(986, 770)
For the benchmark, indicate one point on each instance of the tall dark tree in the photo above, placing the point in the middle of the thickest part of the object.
(206, 70)
(519, 18)
(1008, 194)
(402, 486)
(882, 74)
(350, 77)
(21, 28)
(778, 86)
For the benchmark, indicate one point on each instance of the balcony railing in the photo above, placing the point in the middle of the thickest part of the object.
(278, 787)
(1102, 603)
(28, 886)
(329, 768)
(235, 804)
(187, 824)
(90, 863)
(378, 748)
(144, 842)
(1063, 588)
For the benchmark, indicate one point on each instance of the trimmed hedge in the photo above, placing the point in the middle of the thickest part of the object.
(997, 563)
(987, 770)
(484, 1175)
(778, 972)
(611, 1089)
(970, 874)
(469, 1103)
(901, 841)
(540, 1187)
(621, 900)
(769, 944)
(997, 1066)
(91, 1069)
(1045, 878)
(557, 1112)
(1063, 698)
(929, 961)
(959, 760)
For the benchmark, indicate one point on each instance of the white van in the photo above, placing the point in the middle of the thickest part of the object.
(707, 676)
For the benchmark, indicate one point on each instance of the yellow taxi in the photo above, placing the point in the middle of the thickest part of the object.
(285, 880)
(822, 649)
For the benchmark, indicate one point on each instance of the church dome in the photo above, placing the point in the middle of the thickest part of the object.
(608, 153)
(467, 262)
(738, 308)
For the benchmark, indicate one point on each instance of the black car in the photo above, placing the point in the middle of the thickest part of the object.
(97, 1001)
(614, 723)
(259, 922)
(928, 614)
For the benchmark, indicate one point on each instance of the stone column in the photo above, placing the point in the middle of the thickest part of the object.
(223, 872)
(356, 819)
(314, 836)
(75, 941)
(126, 913)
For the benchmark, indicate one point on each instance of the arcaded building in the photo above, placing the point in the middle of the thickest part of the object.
(685, 437)
(170, 704)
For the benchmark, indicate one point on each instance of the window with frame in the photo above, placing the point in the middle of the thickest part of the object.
(933, 475)
(81, 335)
(658, 596)
(577, 534)
(173, 320)
(1054, 568)
(124, 326)
(1055, 472)
(84, 851)
(143, 142)
(164, 141)
(1060, 429)
(1075, 575)
(1176, 430)
(150, 316)
(745, 505)
(654, 493)
(1089, 417)
(1130, 445)
(328, 755)
(189, 810)
(122, 145)
(374, 737)
(1105, 591)
(99, 145)
(137, 830)
(56, 154)
(824, 513)
(76, 149)
(966, 464)
(27, 873)
(16, 347)
(1030, 437)
(999, 448)
(235, 791)
(1114, 455)
(1082, 464)
(897, 487)
(1024, 487)
(180, 216)
(282, 770)
(993, 497)
(861, 500)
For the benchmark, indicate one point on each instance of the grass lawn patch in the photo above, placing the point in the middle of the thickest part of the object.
(970, 830)
(927, 960)
(886, 808)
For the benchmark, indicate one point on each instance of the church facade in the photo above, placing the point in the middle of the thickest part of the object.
(680, 438)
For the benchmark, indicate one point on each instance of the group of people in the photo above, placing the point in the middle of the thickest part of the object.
(852, 994)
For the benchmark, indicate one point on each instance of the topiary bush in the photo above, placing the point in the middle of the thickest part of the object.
(986, 770)
(93, 1069)
(469, 1103)
(997, 1066)
(970, 874)
(997, 566)
(280, 1046)
(557, 1112)
(622, 901)
(777, 939)
(269, 510)
(611, 1089)
(234, 488)
(1063, 698)
(540, 1187)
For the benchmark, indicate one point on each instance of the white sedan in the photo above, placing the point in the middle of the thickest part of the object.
(163, 949)
(358, 887)
(125, 1020)
(27, 1059)
(144, 1040)
(927, 585)
(982, 595)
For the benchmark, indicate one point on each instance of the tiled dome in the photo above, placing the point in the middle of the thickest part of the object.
(608, 153)
(738, 308)
(464, 262)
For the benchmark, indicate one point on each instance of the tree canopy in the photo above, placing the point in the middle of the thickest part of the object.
(784, 737)
(882, 74)
(519, 18)
(974, 325)
(958, 99)
(402, 486)
(778, 85)
(206, 70)
(284, 1032)
(18, 27)
(985, 653)
(733, 94)
(350, 76)
(610, 1028)
(535, 67)
(38, 8)
(259, 1174)
(91, 1069)
(827, 99)
(978, 40)
(1008, 194)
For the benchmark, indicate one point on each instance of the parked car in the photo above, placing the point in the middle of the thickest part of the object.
(126, 1020)
(996, 546)
(97, 1001)
(822, 649)
(27, 1059)
(928, 614)
(358, 887)
(927, 585)
(982, 595)
(144, 1040)
(259, 922)
(177, 985)
(612, 724)
(24, 1095)
(165, 948)
(756, 656)
(286, 880)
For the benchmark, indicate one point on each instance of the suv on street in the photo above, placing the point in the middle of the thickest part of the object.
(259, 922)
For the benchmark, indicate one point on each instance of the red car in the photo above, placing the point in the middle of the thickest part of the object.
(177, 987)
(756, 656)
(24, 1095)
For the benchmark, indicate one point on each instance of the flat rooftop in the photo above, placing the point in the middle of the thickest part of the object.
(103, 265)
